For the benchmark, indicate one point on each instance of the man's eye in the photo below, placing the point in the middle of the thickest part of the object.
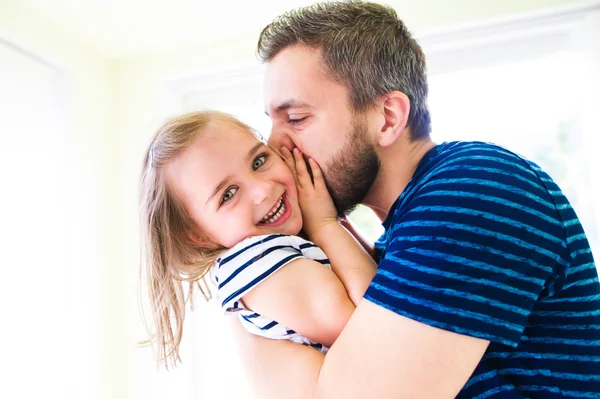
(229, 194)
(259, 161)
(295, 121)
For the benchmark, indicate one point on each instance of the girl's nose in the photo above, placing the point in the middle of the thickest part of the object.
(261, 190)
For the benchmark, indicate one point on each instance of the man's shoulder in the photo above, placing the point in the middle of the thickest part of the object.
(475, 166)
(466, 181)
(474, 153)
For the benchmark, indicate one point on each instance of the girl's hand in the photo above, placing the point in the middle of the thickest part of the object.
(318, 210)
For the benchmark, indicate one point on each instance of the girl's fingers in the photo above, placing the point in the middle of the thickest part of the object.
(318, 180)
(288, 159)
(301, 170)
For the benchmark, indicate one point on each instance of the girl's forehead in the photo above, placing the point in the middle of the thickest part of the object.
(219, 127)
(222, 139)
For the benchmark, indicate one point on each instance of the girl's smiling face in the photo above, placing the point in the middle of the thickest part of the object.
(233, 186)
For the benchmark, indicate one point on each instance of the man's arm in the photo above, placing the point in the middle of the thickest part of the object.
(379, 354)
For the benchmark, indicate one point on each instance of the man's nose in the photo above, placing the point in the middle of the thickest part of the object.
(281, 138)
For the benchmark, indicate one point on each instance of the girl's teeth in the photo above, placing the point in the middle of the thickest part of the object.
(273, 217)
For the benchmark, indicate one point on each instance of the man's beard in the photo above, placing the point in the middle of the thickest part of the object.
(353, 170)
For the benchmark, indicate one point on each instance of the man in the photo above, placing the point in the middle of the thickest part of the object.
(486, 285)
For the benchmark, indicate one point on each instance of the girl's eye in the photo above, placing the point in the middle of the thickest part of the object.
(229, 194)
(259, 161)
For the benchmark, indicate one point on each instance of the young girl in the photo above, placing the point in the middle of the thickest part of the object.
(214, 197)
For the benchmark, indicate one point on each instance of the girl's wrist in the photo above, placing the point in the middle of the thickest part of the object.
(324, 230)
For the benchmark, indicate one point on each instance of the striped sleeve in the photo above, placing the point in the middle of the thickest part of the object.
(247, 264)
(471, 246)
(311, 251)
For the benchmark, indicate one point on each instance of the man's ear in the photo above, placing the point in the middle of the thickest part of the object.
(395, 107)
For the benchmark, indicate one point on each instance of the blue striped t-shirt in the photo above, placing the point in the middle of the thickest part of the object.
(483, 243)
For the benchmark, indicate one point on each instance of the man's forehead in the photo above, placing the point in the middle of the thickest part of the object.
(298, 79)
(284, 88)
(294, 91)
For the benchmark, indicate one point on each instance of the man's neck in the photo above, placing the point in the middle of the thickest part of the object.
(398, 165)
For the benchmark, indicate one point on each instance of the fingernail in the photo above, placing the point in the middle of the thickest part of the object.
(283, 149)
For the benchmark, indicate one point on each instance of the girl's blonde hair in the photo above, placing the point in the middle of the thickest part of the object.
(168, 235)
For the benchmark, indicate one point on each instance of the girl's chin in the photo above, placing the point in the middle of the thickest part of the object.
(293, 226)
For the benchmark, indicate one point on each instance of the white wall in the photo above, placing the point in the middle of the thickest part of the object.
(96, 283)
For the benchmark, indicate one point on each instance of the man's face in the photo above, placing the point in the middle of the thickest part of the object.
(310, 111)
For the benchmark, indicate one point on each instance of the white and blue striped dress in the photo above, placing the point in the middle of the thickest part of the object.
(247, 264)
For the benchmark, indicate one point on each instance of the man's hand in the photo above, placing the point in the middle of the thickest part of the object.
(318, 210)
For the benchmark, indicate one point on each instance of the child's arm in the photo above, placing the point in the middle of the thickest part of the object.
(306, 297)
(349, 260)
(364, 241)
